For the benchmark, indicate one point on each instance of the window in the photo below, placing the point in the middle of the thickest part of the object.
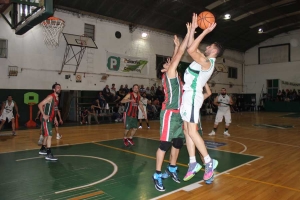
(232, 72)
(89, 30)
(3, 48)
(272, 87)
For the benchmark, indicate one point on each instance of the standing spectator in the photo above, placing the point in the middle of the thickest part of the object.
(152, 92)
(148, 93)
(106, 93)
(113, 92)
(160, 94)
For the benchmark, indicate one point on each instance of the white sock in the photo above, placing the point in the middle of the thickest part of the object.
(192, 159)
(207, 159)
(41, 136)
(57, 134)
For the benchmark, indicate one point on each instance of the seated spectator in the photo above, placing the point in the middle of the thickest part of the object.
(159, 94)
(148, 92)
(97, 106)
(126, 89)
(121, 93)
(84, 115)
(92, 112)
(142, 89)
(152, 92)
(101, 100)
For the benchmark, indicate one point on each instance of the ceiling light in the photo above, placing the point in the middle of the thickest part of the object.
(144, 35)
(227, 16)
(260, 30)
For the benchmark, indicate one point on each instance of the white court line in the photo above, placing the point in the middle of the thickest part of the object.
(153, 138)
(167, 194)
(267, 141)
(88, 185)
(63, 145)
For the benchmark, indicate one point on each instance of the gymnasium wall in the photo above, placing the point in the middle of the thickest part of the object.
(256, 75)
(39, 65)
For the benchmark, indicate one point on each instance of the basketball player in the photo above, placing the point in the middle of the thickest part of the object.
(39, 116)
(223, 101)
(132, 101)
(144, 101)
(171, 133)
(195, 77)
(47, 108)
(6, 112)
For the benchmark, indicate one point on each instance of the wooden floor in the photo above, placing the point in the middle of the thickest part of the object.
(275, 176)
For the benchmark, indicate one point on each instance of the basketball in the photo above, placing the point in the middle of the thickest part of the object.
(205, 19)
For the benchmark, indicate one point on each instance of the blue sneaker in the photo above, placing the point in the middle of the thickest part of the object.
(157, 178)
(210, 181)
(171, 171)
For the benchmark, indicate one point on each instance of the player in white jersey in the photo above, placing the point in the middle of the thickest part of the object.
(6, 112)
(144, 101)
(223, 101)
(195, 77)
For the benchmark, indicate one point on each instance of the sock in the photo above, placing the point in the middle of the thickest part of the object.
(41, 136)
(207, 159)
(226, 129)
(158, 172)
(193, 159)
(57, 133)
(43, 147)
(48, 151)
(147, 124)
(215, 129)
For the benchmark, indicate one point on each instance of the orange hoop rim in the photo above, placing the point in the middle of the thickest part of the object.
(52, 18)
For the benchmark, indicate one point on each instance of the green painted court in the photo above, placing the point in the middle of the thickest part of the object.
(102, 170)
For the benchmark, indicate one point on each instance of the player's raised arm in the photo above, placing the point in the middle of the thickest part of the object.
(193, 50)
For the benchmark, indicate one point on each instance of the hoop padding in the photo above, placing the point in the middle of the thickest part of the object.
(52, 28)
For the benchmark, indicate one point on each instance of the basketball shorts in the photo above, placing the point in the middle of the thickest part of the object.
(225, 114)
(170, 125)
(47, 128)
(190, 106)
(130, 122)
(8, 116)
(140, 115)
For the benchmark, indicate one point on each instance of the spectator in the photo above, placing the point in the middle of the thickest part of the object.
(101, 100)
(148, 93)
(106, 93)
(97, 106)
(84, 115)
(152, 92)
(121, 93)
(92, 112)
(279, 95)
(126, 89)
(114, 95)
(160, 94)
(142, 89)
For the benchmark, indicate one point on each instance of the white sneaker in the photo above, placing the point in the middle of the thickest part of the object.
(140, 127)
(116, 120)
(212, 133)
(226, 133)
(148, 127)
(58, 136)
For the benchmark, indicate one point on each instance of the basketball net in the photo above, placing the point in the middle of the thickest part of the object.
(52, 28)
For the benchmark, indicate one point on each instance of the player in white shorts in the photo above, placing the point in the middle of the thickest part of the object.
(223, 101)
(6, 112)
(144, 101)
(195, 77)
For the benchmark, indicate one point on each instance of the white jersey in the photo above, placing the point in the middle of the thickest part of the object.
(195, 78)
(144, 102)
(223, 100)
(8, 108)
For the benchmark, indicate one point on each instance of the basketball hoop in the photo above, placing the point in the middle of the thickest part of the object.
(52, 27)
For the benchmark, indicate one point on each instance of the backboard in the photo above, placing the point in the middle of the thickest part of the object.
(80, 41)
(24, 15)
